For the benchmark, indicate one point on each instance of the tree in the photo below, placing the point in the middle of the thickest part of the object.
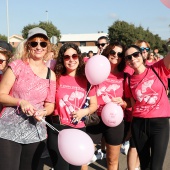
(128, 34)
(3, 37)
(48, 26)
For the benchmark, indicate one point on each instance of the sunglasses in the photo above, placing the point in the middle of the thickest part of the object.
(112, 52)
(1, 61)
(135, 54)
(67, 57)
(145, 48)
(102, 44)
(34, 44)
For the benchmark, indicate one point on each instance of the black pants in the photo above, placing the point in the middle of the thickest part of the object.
(151, 138)
(52, 143)
(16, 156)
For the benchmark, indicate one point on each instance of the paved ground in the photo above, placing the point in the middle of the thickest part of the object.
(101, 164)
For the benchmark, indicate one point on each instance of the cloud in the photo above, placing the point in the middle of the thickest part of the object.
(162, 18)
(113, 16)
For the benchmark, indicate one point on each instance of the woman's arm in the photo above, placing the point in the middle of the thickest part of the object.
(166, 60)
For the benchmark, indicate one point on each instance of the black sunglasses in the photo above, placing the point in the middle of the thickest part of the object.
(145, 48)
(112, 52)
(135, 54)
(67, 57)
(102, 44)
(42, 44)
(1, 61)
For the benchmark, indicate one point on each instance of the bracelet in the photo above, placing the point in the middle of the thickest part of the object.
(19, 103)
(45, 112)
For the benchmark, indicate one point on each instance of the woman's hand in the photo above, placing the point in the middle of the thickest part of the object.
(27, 108)
(119, 101)
(78, 114)
(39, 114)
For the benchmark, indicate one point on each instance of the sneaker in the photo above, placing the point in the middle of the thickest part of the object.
(100, 154)
(93, 159)
(124, 148)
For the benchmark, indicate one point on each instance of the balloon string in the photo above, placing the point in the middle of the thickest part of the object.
(49, 125)
(85, 97)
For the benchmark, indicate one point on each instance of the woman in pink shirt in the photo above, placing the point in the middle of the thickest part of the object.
(70, 96)
(111, 90)
(151, 109)
(27, 91)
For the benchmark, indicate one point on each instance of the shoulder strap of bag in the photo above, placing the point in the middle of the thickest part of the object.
(48, 74)
(158, 77)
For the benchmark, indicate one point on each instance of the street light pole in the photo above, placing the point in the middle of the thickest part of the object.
(47, 15)
(7, 18)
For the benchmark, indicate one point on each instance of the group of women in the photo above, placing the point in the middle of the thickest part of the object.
(29, 92)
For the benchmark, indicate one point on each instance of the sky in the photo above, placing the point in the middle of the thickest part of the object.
(85, 16)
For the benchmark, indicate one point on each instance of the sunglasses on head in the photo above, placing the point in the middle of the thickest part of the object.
(43, 44)
(1, 61)
(67, 57)
(135, 54)
(102, 44)
(145, 48)
(112, 52)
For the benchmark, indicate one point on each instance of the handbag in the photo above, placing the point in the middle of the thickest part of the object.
(92, 119)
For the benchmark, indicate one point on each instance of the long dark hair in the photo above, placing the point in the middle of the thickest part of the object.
(106, 52)
(60, 69)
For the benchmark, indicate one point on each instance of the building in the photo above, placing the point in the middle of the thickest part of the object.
(15, 40)
(86, 42)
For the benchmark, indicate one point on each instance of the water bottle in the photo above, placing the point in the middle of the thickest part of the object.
(86, 104)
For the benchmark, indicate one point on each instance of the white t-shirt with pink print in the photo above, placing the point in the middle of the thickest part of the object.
(70, 95)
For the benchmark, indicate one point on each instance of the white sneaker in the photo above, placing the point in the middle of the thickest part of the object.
(124, 148)
(93, 159)
(100, 154)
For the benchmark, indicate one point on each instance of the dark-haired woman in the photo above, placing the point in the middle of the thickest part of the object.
(71, 93)
(151, 109)
(111, 90)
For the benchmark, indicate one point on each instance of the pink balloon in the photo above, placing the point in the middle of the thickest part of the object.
(75, 146)
(166, 3)
(112, 114)
(97, 69)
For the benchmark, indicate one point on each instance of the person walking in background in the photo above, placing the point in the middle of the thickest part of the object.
(151, 110)
(145, 48)
(113, 92)
(27, 92)
(70, 94)
(102, 43)
(90, 54)
(150, 59)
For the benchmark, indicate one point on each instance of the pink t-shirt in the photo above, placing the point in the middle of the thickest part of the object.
(111, 87)
(149, 93)
(30, 87)
(71, 94)
(149, 63)
(128, 111)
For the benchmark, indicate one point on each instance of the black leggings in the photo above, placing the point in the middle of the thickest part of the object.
(151, 138)
(16, 156)
(52, 143)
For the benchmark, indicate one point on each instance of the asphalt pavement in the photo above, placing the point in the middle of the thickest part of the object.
(45, 163)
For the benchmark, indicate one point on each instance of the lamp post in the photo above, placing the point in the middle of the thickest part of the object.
(7, 18)
(47, 15)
